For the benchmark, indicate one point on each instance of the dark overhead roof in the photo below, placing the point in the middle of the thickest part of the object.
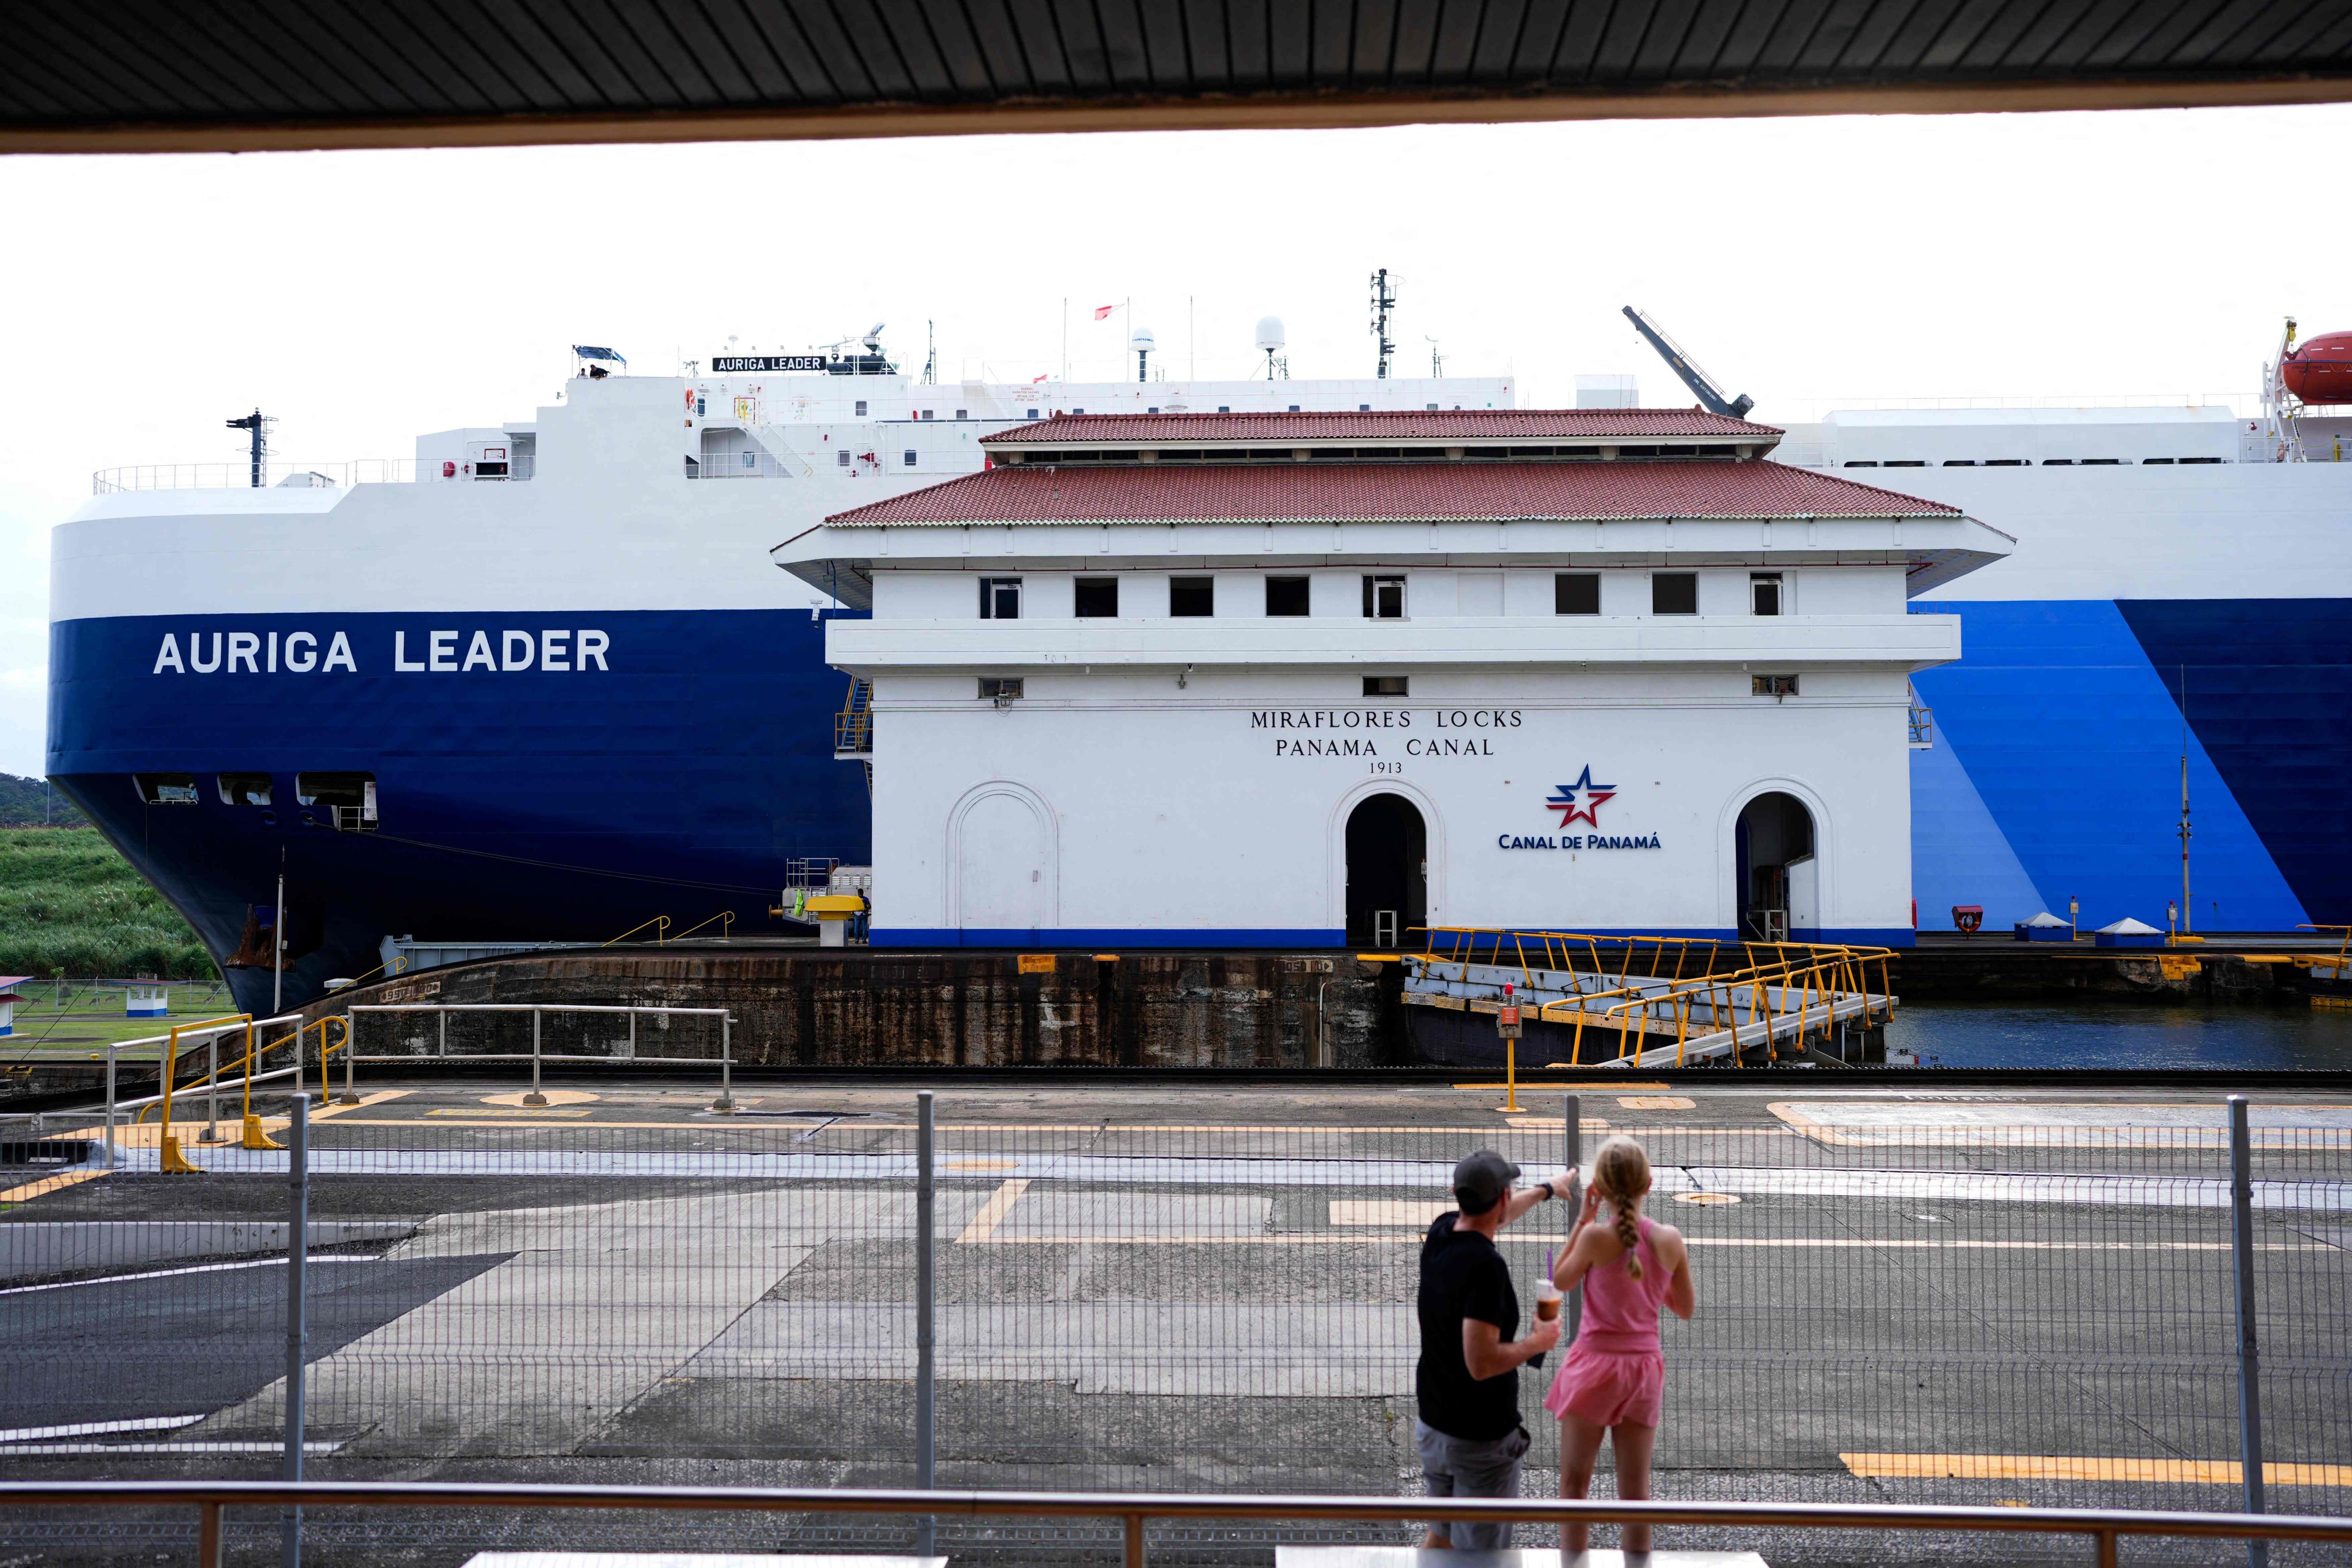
(1382, 425)
(96, 75)
(1387, 492)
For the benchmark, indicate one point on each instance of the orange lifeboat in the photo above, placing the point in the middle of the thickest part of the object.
(2320, 371)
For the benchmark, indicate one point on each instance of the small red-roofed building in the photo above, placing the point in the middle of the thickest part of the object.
(1306, 679)
(9, 997)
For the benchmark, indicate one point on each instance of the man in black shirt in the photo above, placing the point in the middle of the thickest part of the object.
(1467, 1381)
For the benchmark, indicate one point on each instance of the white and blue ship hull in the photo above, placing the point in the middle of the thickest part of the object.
(680, 778)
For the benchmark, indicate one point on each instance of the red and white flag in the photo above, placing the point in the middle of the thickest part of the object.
(1035, 379)
(1102, 312)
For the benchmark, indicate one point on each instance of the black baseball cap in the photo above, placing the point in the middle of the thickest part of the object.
(1481, 1179)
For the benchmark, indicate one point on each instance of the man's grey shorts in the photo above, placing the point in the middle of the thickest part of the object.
(1456, 1467)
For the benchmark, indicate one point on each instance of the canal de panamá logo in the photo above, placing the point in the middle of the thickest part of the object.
(1565, 799)
(1578, 802)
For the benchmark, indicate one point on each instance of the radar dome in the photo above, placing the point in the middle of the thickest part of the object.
(1269, 333)
(1141, 340)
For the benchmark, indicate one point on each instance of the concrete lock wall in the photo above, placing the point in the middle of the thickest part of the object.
(1110, 807)
(862, 1008)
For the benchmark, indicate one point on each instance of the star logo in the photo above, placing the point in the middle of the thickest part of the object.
(1579, 800)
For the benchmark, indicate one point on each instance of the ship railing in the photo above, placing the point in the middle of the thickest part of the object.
(275, 474)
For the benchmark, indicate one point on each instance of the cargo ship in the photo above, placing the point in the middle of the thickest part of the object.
(540, 682)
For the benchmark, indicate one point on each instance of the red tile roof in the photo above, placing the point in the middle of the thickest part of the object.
(1388, 425)
(1380, 493)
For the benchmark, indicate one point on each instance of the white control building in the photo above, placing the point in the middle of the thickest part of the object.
(1304, 679)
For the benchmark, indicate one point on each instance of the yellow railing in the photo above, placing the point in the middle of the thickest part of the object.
(725, 916)
(1809, 977)
(661, 932)
(174, 1160)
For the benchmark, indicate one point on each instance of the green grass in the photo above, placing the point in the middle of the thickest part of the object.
(67, 901)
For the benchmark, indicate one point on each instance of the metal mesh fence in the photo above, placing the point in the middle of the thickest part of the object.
(1939, 1300)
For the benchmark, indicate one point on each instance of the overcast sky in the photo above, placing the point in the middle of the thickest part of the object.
(365, 297)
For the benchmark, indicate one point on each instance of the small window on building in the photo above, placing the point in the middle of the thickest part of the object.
(1959, 462)
(1363, 408)
(1862, 463)
(2200, 459)
(1906, 462)
(1773, 685)
(1285, 596)
(1033, 413)
(350, 797)
(1576, 594)
(1224, 408)
(1192, 596)
(1000, 688)
(1384, 598)
(2005, 463)
(910, 456)
(1674, 593)
(1097, 597)
(1764, 593)
(1153, 409)
(1000, 598)
(964, 414)
(861, 408)
(928, 414)
(1077, 410)
(2156, 459)
(751, 459)
(166, 789)
(1294, 408)
(701, 406)
(841, 459)
(244, 789)
(1431, 406)
(1384, 686)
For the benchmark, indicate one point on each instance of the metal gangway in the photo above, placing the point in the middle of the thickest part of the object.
(1654, 1001)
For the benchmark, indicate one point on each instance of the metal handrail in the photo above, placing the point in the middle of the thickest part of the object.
(660, 936)
(1135, 1510)
(724, 930)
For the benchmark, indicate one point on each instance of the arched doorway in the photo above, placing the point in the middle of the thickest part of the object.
(1387, 871)
(1778, 891)
(1004, 866)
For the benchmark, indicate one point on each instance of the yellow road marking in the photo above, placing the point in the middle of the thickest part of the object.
(2083, 1467)
(520, 1113)
(549, 1097)
(984, 1164)
(991, 1213)
(378, 1098)
(32, 1190)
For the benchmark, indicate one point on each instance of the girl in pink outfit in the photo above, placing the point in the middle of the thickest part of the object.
(1612, 1376)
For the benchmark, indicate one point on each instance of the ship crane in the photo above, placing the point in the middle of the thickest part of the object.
(1710, 397)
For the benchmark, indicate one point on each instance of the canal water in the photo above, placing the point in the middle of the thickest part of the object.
(2072, 1034)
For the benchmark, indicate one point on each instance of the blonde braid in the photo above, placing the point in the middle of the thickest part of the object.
(1621, 1172)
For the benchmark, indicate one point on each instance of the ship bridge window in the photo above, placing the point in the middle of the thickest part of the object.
(2005, 463)
(2057, 462)
(1862, 463)
(2156, 459)
(1906, 463)
(166, 789)
(2200, 459)
(244, 789)
(910, 456)
(841, 459)
(1959, 462)
(2101, 462)
(861, 408)
(1033, 413)
(348, 798)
